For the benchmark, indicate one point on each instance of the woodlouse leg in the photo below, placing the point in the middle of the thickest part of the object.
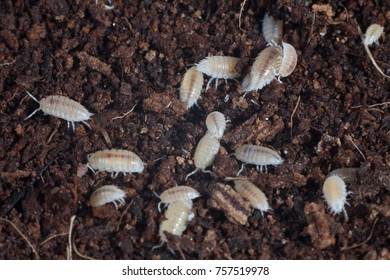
(208, 84)
(89, 167)
(192, 173)
(84, 122)
(242, 168)
(158, 207)
(216, 83)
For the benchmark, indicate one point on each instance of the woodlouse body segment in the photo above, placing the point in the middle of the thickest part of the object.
(236, 209)
(263, 70)
(260, 156)
(335, 194)
(272, 30)
(216, 124)
(115, 161)
(253, 194)
(373, 33)
(191, 87)
(107, 194)
(177, 215)
(219, 67)
(178, 193)
(289, 60)
(64, 108)
(205, 153)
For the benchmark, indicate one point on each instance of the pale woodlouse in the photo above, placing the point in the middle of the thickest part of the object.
(335, 194)
(219, 67)
(372, 35)
(216, 124)
(252, 193)
(288, 62)
(205, 152)
(178, 193)
(177, 215)
(107, 194)
(272, 30)
(223, 197)
(115, 161)
(62, 107)
(263, 70)
(260, 156)
(191, 87)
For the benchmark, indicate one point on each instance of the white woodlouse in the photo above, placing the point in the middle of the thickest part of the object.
(107, 194)
(216, 124)
(260, 156)
(177, 215)
(253, 194)
(272, 30)
(372, 35)
(219, 67)
(288, 61)
(263, 70)
(178, 193)
(335, 194)
(191, 87)
(62, 107)
(205, 152)
(115, 161)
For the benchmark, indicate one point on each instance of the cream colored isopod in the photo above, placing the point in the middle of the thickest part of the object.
(216, 124)
(272, 30)
(107, 194)
(178, 193)
(335, 194)
(191, 87)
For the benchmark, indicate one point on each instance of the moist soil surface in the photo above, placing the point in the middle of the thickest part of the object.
(331, 112)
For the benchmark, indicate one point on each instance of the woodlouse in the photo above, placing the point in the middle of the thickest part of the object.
(272, 30)
(253, 194)
(107, 194)
(335, 194)
(191, 87)
(263, 70)
(62, 107)
(205, 152)
(373, 33)
(219, 67)
(260, 156)
(178, 193)
(236, 209)
(177, 215)
(216, 124)
(115, 161)
(288, 62)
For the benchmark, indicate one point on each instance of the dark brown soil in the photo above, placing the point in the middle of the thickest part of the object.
(136, 55)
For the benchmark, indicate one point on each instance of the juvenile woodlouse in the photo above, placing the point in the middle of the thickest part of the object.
(372, 35)
(115, 161)
(263, 70)
(205, 152)
(62, 107)
(260, 156)
(216, 124)
(272, 30)
(191, 87)
(219, 67)
(250, 192)
(177, 215)
(335, 194)
(288, 62)
(178, 193)
(107, 194)
(236, 209)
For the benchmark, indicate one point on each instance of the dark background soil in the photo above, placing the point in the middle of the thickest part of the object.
(137, 54)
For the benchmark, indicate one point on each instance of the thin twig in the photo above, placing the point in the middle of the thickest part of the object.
(373, 105)
(364, 242)
(125, 114)
(123, 214)
(291, 123)
(312, 27)
(53, 236)
(23, 236)
(79, 254)
(69, 249)
(353, 143)
(239, 17)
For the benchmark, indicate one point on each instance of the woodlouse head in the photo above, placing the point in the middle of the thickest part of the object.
(289, 60)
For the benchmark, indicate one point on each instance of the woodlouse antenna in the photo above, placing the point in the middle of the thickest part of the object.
(192, 173)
